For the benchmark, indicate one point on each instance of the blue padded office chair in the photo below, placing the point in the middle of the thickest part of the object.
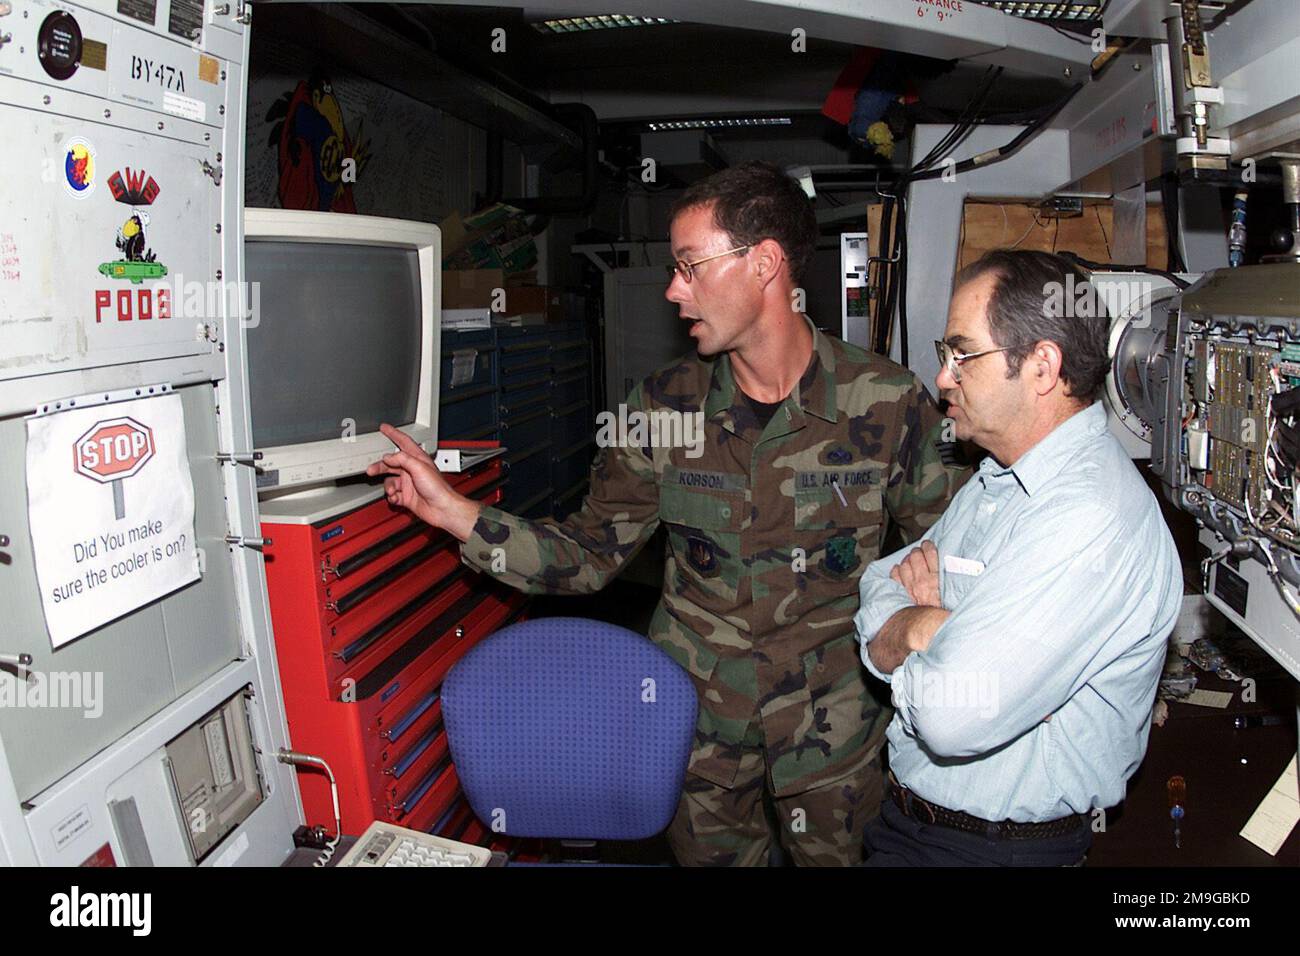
(567, 728)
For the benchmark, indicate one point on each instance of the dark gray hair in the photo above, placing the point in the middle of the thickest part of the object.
(756, 201)
(1034, 300)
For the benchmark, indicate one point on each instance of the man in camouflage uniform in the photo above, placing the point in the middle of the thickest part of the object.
(807, 444)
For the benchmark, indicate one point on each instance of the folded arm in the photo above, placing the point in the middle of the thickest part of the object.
(1041, 620)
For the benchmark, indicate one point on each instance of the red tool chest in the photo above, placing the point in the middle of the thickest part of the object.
(371, 607)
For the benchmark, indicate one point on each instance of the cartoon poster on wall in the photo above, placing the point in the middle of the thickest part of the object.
(321, 137)
(318, 160)
(111, 509)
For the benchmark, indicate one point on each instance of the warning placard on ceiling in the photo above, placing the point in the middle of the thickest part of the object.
(111, 510)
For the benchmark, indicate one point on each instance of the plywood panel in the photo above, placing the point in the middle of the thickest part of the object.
(988, 226)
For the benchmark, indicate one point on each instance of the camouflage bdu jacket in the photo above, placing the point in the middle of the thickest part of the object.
(767, 536)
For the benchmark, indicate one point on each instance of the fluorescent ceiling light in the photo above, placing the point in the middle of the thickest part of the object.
(1076, 10)
(608, 21)
(662, 125)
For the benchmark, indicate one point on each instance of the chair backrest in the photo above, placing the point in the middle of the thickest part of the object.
(568, 728)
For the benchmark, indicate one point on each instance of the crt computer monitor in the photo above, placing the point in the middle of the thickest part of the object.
(343, 335)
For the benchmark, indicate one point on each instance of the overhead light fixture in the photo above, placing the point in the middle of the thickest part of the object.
(663, 125)
(1086, 10)
(608, 21)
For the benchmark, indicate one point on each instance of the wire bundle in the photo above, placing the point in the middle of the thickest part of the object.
(890, 283)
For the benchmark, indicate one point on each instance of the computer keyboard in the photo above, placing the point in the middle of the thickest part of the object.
(384, 844)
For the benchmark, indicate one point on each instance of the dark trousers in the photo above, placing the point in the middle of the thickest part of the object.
(893, 839)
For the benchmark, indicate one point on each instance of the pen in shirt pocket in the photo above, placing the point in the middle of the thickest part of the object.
(838, 493)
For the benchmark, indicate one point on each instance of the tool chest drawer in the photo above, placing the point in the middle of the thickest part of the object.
(371, 608)
(529, 481)
(569, 387)
(526, 429)
(570, 424)
(468, 386)
(469, 415)
(468, 359)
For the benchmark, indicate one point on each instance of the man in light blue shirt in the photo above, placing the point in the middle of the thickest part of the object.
(1024, 638)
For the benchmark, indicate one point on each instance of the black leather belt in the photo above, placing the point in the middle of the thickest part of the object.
(925, 812)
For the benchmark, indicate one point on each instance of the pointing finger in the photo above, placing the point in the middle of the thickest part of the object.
(399, 461)
(402, 440)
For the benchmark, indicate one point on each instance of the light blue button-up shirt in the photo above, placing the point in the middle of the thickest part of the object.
(1063, 585)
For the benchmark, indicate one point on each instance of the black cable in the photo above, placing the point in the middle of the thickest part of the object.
(1089, 266)
(1169, 204)
(1104, 238)
(882, 275)
(1077, 38)
(964, 123)
(1002, 152)
(891, 277)
(961, 124)
(891, 293)
(899, 292)
(1230, 10)
(892, 284)
(961, 234)
(902, 279)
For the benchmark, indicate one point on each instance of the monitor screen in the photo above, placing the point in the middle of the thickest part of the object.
(336, 347)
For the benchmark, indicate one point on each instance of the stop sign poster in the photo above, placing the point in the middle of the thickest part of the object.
(111, 508)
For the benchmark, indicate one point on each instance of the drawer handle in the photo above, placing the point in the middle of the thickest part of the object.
(453, 394)
(541, 495)
(365, 556)
(531, 383)
(424, 786)
(484, 432)
(409, 758)
(437, 630)
(526, 418)
(573, 489)
(569, 409)
(573, 449)
(384, 578)
(507, 410)
(531, 452)
(394, 620)
(411, 716)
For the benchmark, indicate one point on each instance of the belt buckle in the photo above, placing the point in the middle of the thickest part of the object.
(928, 809)
(910, 800)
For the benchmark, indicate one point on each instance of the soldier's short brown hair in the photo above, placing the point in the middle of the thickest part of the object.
(755, 201)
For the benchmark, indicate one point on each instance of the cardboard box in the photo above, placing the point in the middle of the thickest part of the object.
(526, 298)
(537, 300)
(474, 288)
(470, 288)
(493, 238)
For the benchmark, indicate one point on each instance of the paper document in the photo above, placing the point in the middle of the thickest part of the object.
(1275, 818)
(111, 510)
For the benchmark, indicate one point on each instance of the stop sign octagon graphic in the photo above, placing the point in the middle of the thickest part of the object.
(112, 450)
